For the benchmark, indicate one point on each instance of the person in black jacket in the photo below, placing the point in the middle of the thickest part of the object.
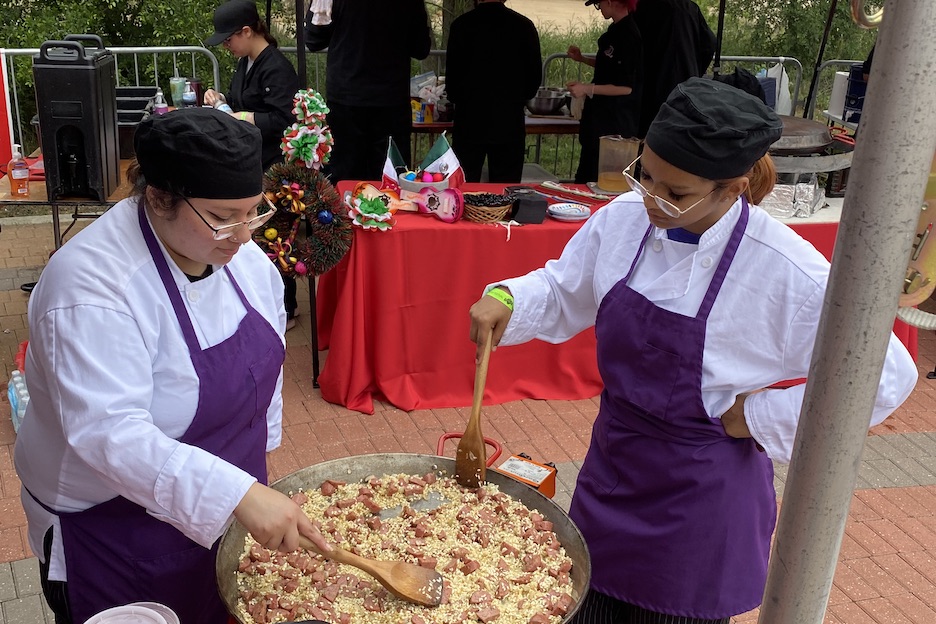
(261, 93)
(613, 104)
(678, 44)
(370, 44)
(489, 118)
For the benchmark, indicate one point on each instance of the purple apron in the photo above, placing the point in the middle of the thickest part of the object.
(115, 552)
(677, 515)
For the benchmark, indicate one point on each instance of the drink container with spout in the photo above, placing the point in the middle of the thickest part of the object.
(615, 153)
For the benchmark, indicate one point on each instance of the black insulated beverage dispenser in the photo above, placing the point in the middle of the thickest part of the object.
(76, 98)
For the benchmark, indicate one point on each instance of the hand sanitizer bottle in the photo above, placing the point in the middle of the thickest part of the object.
(18, 171)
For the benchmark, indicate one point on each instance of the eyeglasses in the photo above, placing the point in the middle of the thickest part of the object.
(228, 40)
(226, 231)
(670, 209)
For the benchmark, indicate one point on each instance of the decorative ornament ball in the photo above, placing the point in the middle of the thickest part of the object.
(410, 176)
(270, 234)
(427, 177)
(438, 176)
(325, 217)
(301, 268)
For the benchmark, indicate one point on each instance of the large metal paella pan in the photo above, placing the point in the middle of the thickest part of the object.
(361, 467)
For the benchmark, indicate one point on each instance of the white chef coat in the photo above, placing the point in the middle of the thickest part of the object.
(761, 329)
(112, 385)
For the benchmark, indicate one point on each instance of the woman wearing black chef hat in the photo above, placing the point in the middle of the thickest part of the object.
(700, 303)
(155, 374)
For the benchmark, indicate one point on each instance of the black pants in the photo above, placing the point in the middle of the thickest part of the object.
(55, 592)
(588, 160)
(361, 136)
(599, 608)
(505, 158)
(289, 296)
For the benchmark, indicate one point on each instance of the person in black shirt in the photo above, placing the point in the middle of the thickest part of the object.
(264, 82)
(613, 104)
(677, 43)
(370, 43)
(261, 93)
(489, 118)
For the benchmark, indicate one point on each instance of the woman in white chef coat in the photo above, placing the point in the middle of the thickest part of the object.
(700, 301)
(155, 374)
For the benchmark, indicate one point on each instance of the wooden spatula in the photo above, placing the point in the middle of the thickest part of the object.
(471, 454)
(406, 581)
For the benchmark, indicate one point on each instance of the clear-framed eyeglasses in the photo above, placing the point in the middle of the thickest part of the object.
(670, 209)
(226, 231)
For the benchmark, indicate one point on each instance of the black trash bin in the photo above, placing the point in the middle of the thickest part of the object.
(75, 95)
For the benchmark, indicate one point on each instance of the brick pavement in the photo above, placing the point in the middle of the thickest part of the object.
(887, 567)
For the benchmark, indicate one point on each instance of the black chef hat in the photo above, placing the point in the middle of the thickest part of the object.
(231, 17)
(200, 152)
(712, 130)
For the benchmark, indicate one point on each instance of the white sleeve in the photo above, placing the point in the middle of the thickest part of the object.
(772, 416)
(102, 389)
(558, 301)
(275, 411)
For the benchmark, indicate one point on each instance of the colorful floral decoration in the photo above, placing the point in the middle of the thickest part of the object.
(299, 190)
(309, 140)
(370, 213)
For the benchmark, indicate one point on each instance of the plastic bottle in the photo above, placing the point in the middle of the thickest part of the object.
(160, 107)
(19, 174)
(188, 95)
(18, 395)
(223, 106)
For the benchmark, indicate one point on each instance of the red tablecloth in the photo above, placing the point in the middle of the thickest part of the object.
(394, 315)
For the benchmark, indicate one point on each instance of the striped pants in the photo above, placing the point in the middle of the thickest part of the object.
(599, 608)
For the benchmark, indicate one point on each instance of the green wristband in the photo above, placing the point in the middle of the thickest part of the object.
(502, 296)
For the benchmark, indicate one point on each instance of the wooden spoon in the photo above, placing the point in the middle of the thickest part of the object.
(471, 454)
(406, 581)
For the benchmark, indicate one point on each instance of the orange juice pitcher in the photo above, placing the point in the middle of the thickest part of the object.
(614, 154)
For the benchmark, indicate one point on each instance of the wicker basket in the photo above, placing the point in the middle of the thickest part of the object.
(485, 214)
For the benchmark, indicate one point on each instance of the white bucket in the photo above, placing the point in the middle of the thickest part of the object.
(839, 89)
(129, 614)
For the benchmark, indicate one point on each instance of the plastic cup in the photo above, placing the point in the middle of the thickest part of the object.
(176, 88)
(129, 614)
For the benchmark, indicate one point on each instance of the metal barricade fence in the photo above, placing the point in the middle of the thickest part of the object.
(136, 66)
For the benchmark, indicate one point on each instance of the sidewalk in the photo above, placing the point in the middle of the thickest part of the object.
(887, 567)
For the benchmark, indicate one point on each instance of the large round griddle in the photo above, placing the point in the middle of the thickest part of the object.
(801, 136)
(360, 467)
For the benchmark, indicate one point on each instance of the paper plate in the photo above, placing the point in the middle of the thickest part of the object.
(569, 212)
(127, 615)
(168, 614)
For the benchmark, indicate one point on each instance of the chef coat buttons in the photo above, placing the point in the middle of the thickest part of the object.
(193, 296)
(706, 263)
(657, 245)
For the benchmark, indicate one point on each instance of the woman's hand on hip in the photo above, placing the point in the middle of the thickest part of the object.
(488, 315)
(275, 520)
(733, 420)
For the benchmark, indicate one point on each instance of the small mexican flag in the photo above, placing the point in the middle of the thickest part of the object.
(441, 158)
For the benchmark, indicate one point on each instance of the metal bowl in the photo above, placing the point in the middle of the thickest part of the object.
(360, 467)
(548, 101)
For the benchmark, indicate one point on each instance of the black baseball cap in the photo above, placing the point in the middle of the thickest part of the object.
(230, 17)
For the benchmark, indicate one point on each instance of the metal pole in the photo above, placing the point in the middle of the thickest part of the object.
(716, 66)
(882, 206)
(300, 45)
(822, 46)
